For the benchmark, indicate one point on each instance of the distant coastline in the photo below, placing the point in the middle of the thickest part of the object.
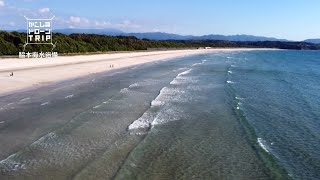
(11, 43)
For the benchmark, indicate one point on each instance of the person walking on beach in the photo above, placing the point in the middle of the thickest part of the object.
(11, 74)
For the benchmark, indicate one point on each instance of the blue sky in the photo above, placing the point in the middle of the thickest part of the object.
(290, 19)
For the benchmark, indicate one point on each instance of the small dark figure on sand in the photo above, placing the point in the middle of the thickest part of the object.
(11, 74)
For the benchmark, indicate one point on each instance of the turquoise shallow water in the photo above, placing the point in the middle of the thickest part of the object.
(236, 115)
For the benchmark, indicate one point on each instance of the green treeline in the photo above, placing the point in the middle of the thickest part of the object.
(11, 43)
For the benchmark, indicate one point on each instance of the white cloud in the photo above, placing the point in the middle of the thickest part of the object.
(79, 22)
(156, 30)
(128, 25)
(74, 19)
(102, 24)
(85, 20)
(44, 10)
(2, 3)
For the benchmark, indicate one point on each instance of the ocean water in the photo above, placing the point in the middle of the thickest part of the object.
(278, 94)
(228, 115)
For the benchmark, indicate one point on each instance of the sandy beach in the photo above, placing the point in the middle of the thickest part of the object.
(31, 73)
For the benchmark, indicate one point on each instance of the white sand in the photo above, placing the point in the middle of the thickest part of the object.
(34, 72)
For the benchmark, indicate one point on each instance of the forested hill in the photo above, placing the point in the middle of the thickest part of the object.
(11, 43)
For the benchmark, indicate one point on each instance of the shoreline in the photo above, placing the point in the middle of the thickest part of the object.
(34, 73)
(94, 114)
(7, 57)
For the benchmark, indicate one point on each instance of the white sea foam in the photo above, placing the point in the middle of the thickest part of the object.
(45, 103)
(96, 107)
(93, 80)
(230, 72)
(179, 78)
(167, 115)
(139, 124)
(239, 105)
(24, 99)
(162, 113)
(7, 106)
(134, 85)
(146, 119)
(204, 60)
(233, 66)
(239, 98)
(124, 90)
(9, 158)
(18, 166)
(69, 96)
(2, 122)
(157, 103)
(183, 80)
(185, 72)
(169, 91)
(196, 64)
(230, 82)
(143, 122)
(178, 69)
(175, 81)
(168, 112)
(9, 164)
(262, 144)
